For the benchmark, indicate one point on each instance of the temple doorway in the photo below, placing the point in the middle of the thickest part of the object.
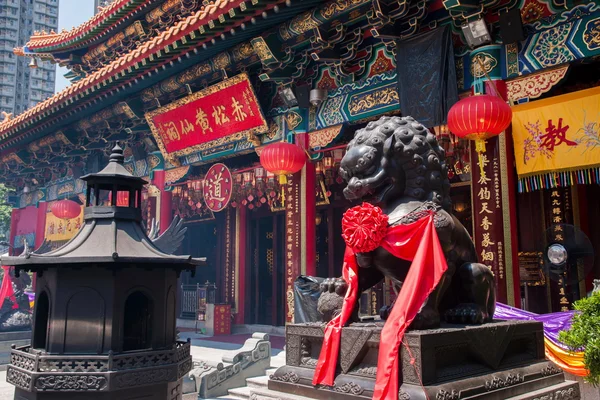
(201, 240)
(265, 278)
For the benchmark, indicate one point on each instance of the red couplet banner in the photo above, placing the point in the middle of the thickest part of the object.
(219, 111)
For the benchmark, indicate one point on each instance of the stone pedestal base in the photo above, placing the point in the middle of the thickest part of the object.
(496, 361)
(170, 391)
(147, 375)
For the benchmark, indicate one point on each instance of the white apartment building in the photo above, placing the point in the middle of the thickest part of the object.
(22, 87)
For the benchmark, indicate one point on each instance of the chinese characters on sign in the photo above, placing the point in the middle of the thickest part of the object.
(292, 242)
(559, 213)
(557, 134)
(217, 112)
(222, 319)
(217, 187)
(229, 263)
(59, 229)
(488, 226)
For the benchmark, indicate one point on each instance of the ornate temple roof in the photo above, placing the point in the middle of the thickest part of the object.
(176, 49)
(105, 241)
(105, 22)
(156, 49)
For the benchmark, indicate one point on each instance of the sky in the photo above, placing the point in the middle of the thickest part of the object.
(71, 13)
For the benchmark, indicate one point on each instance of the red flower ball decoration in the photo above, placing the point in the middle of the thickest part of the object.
(364, 227)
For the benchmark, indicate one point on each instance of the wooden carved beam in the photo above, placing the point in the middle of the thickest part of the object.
(385, 12)
(400, 28)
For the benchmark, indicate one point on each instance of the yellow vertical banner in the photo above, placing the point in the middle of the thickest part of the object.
(62, 229)
(558, 134)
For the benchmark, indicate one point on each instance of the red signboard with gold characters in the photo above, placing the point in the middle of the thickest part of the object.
(223, 112)
(217, 187)
(222, 319)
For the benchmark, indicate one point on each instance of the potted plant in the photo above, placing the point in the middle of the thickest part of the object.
(585, 334)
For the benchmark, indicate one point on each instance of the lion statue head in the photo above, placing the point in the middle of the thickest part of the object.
(395, 157)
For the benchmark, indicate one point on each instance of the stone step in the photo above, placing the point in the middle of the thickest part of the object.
(242, 392)
(230, 397)
(267, 394)
(563, 390)
(257, 383)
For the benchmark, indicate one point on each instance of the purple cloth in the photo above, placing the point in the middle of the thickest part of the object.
(553, 323)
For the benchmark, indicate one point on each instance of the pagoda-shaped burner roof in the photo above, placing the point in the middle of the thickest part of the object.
(115, 172)
(112, 234)
(105, 240)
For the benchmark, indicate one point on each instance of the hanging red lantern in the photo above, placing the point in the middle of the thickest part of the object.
(66, 209)
(122, 199)
(282, 159)
(478, 118)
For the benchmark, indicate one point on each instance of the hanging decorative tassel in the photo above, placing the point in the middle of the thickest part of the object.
(282, 182)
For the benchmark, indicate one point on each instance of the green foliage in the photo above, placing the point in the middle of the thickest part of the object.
(5, 212)
(585, 334)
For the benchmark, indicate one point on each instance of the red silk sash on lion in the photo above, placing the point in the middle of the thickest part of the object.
(364, 229)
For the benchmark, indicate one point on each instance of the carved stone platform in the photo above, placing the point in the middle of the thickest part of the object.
(151, 375)
(496, 361)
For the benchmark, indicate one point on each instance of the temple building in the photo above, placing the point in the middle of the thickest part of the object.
(195, 90)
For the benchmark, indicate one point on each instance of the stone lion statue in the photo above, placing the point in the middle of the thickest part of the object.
(397, 164)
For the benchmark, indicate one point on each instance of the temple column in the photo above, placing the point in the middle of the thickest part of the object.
(164, 210)
(307, 211)
(240, 277)
(14, 220)
(493, 190)
(300, 231)
(293, 248)
(40, 231)
(229, 257)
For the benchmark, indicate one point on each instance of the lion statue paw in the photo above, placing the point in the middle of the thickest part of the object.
(333, 291)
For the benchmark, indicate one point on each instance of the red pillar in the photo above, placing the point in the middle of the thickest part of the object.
(309, 227)
(165, 212)
(293, 249)
(14, 219)
(508, 161)
(307, 212)
(40, 230)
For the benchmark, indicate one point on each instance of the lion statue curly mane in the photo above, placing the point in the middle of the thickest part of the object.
(397, 164)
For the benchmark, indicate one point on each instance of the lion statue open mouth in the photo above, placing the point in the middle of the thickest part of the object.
(397, 163)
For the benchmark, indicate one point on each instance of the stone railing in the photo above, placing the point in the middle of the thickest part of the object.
(214, 379)
(33, 370)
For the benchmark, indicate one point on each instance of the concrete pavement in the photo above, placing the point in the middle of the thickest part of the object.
(6, 390)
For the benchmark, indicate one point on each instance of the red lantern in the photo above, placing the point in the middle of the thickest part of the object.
(66, 209)
(122, 199)
(282, 159)
(478, 118)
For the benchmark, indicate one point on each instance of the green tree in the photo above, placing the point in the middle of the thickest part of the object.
(585, 334)
(5, 212)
